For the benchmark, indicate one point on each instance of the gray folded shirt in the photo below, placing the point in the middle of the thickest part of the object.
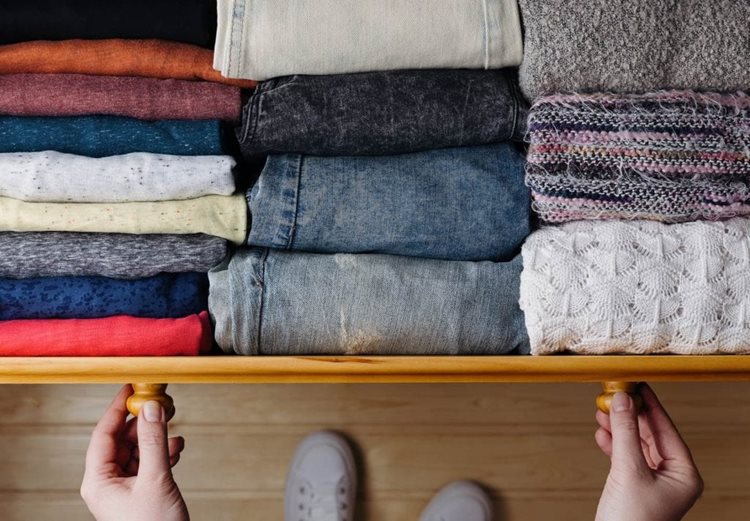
(272, 302)
(123, 256)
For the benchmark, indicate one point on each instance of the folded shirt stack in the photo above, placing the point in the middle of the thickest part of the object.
(117, 193)
(390, 212)
(635, 145)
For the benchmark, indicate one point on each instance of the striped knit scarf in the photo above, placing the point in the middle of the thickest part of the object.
(668, 156)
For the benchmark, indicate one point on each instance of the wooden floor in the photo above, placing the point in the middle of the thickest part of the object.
(531, 444)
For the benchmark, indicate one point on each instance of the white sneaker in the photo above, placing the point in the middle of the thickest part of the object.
(322, 480)
(459, 501)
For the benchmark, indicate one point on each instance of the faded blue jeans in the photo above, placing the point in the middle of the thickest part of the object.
(455, 204)
(272, 302)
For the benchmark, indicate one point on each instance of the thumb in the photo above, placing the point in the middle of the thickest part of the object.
(153, 443)
(627, 453)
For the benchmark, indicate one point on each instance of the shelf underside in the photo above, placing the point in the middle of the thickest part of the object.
(374, 369)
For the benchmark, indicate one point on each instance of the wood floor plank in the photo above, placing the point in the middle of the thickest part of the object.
(531, 444)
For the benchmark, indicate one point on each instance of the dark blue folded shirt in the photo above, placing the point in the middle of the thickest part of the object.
(161, 296)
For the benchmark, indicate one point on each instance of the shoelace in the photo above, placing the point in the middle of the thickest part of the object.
(325, 503)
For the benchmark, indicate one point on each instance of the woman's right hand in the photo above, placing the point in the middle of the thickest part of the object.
(653, 476)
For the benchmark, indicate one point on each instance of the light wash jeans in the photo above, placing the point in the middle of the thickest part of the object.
(455, 204)
(272, 302)
(261, 39)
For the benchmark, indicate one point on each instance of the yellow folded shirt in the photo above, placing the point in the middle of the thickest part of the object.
(221, 216)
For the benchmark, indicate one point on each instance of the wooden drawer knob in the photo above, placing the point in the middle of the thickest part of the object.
(150, 392)
(604, 400)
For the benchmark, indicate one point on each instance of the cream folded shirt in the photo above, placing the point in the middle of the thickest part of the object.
(57, 177)
(261, 39)
(221, 216)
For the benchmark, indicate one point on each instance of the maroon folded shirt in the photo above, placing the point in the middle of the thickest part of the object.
(142, 98)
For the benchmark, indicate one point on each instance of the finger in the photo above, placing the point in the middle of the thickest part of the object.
(604, 440)
(103, 447)
(153, 447)
(627, 452)
(666, 437)
(176, 445)
(602, 418)
(174, 460)
(650, 450)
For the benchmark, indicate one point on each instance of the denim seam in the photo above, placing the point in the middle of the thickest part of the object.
(513, 95)
(235, 49)
(293, 230)
(252, 116)
(486, 35)
(518, 101)
(262, 306)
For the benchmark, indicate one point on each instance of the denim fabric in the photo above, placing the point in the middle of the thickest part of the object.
(455, 204)
(262, 39)
(382, 112)
(100, 136)
(272, 302)
(161, 296)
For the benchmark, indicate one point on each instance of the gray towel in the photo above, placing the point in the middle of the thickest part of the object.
(635, 45)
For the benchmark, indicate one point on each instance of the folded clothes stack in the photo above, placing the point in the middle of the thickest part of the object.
(389, 215)
(639, 140)
(117, 194)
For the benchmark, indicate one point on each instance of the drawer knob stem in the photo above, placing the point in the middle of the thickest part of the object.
(150, 392)
(604, 400)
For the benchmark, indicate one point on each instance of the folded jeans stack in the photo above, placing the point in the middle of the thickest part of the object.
(390, 212)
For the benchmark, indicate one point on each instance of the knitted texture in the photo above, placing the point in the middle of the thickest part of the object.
(638, 287)
(634, 45)
(671, 156)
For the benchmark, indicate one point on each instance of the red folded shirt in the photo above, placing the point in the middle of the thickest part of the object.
(112, 336)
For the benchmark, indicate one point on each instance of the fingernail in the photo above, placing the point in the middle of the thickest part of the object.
(152, 411)
(621, 402)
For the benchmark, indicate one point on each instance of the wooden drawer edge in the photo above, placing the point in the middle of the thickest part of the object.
(396, 369)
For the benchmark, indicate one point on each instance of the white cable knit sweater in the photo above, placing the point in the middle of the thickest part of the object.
(638, 287)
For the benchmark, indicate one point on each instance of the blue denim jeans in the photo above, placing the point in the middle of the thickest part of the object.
(453, 204)
(272, 302)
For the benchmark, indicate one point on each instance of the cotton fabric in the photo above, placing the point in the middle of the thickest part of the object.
(188, 21)
(142, 98)
(116, 57)
(638, 287)
(634, 45)
(261, 39)
(162, 296)
(271, 302)
(671, 156)
(56, 177)
(221, 216)
(456, 203)
(111, 336)
(121, 256)
(395, 112)
(99, 136)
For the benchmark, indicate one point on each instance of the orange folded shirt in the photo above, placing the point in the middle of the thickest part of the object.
(148, 58)
(112, 336)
